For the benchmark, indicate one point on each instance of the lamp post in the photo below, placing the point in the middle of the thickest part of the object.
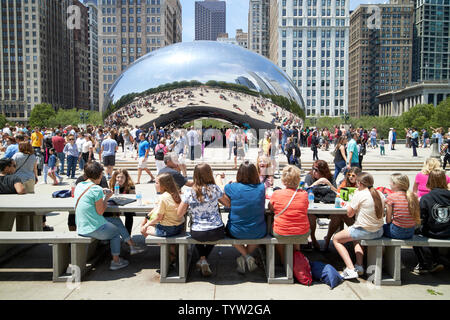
(84, 116)
(345, 117)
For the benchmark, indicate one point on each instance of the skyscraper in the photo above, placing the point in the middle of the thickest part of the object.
(35, 57)
(241, 38)
(380, 53)
(129, 29)
(311, 38)
(210, 19)
(93, 54)
(431, 40)
(81, 59)
(258, 26)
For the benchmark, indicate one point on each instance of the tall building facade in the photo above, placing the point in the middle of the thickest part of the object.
(93, 55)
(312, 42)
(210, 19)
(380, 57)
(258, 26)
(81, 59)
(35, 57)
(128, 29)
(431, 40)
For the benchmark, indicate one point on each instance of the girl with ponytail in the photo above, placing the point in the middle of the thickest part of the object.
(402, 209)
(368, 207)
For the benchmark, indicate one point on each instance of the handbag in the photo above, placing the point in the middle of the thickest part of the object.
(323, 193)
(302, 269)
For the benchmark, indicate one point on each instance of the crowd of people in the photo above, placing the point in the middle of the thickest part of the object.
(399, 213)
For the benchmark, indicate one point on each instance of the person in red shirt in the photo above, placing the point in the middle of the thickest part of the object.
(58, 144)
(290, 206)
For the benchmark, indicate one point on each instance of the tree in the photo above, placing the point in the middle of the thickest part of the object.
(3, 120)
(441, 117)
(41, 115)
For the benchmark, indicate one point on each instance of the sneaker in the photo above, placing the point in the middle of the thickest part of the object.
(136, 249)
(420, 269)
(436, 267)
(359, 269)
(206, 271)
(118, 265)
(251, 263)
(349, 274)
(61, 180)
(241, 264)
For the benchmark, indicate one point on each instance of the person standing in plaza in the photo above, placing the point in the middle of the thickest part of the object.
(425, 138)
(340, 157)
(414, 141)
(192, 139)
(143, 152)
(373, 137)
(37, 142)
(352, 152)
(58, 143)
(26, 166)
(394, 138)
(315, 145)
(80, 142)
(447, 152)
(128, 143)
(108, 150)
(71, 151)
(390, 137)
(231, 139)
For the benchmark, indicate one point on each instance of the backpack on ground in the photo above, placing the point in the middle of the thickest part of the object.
(302, 269)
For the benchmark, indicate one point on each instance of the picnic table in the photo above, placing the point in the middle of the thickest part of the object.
(28, 209)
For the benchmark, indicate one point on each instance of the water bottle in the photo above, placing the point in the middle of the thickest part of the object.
(72, 190)
(139, 198)
(311, 198)
(116, 189)
(337, 202)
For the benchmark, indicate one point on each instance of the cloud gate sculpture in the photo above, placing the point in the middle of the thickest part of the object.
(187, 81)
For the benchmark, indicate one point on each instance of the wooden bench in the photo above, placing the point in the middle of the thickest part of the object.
(61, 241)
(392, 256)
(183, 241)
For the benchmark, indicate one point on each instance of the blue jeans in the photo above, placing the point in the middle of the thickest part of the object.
(168, 231)
(61, 156)
(338, 166)
(71, 166)
(110, 232)
(119, 224)
(395, 232)
(81, 164)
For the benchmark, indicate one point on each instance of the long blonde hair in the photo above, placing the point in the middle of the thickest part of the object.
(430, 165)
(401, 181)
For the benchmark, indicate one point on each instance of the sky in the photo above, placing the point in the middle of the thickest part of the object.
(237, 16)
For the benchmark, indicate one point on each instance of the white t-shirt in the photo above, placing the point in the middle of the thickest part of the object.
(364, 206)
(86, 146)
(80, 142)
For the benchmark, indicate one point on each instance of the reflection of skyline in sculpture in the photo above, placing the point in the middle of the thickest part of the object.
(203, 61)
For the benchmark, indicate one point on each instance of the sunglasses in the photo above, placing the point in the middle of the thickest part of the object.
(71, 139)
(315, 169)
(351, 175)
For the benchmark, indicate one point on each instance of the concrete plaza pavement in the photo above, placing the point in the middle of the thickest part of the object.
(28, 274)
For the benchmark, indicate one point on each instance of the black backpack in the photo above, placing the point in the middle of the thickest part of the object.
(159, 155)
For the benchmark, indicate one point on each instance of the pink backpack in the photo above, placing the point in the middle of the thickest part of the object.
(302, 269)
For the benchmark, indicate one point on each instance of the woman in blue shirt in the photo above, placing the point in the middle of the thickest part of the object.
(89, 210)
(246, 198)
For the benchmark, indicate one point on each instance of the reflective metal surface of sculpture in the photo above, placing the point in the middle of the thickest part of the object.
(185, 81)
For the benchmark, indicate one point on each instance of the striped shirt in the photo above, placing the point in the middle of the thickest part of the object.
(400, 211)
